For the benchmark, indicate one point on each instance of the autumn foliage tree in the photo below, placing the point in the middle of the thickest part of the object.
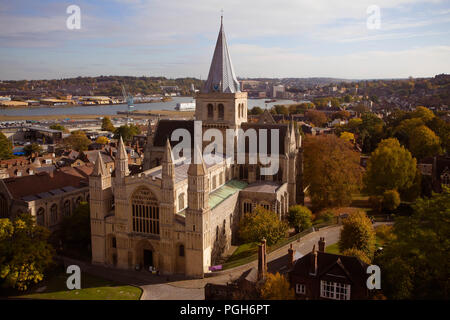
(5, 147)
(318, 118)
(276, 287)
(78, 141)
(262, 223)
(331, 169)
(24, 252)
(107, 125)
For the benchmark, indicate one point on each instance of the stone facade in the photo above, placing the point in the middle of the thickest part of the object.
(179, 217)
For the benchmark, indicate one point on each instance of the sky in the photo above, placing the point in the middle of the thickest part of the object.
(276, 38)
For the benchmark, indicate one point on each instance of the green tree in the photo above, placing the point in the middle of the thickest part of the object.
(423, 142)
(127, 132)
(417, 264)
(281, 109)
(357, 233)
(6, 151)
(24, 252)
(33, 148)
(423, 113)
(107, 125)
(391, 199)
(79, 221)
(59, 127)
(256, 111)
(262, 223)
(78, 141)
(390, 167)
(334, 175)
(300, 218)
(277, 287)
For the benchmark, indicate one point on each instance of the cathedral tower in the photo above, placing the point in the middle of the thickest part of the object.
(168, 210)
(221, 103)
(198, 220)
(100, 196)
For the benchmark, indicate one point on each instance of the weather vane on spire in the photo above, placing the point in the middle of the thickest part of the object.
(221, 16)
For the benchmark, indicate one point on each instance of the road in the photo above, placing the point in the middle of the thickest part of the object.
(194, 289)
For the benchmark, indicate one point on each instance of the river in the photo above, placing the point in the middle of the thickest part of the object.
(112, 109)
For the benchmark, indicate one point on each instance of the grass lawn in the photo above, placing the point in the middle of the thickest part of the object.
(334, 248)
(244, 251)
(92, 288)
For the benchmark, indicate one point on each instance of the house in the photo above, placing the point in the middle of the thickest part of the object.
(320, 275)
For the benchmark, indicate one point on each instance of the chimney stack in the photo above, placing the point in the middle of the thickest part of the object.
(261, 260)
(313, 266)
(322, 244)
(291, 253)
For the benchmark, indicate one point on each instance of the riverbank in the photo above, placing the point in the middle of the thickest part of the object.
(162, 113)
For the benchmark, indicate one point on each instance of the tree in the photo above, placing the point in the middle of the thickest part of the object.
(59, 127)
(417, 264)
(6, 151)
(262, 223)
(276, 287)
(347, 136)
(390, 167)
(423, 142)
(343, 114)
(423, 113)
(300, 218)
(353, 252)
(107, 125)
(391, 199)
(318, 118)
(79, 221)
(102, 140)
(127, 132)
(256, 111)
(357, 233)
(281, 109)
(334, 175)
(33, 148)
(78, 141)
(442, 130)
(24, 252)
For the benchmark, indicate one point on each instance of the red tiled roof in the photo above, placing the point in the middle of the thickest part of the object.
(43, 182)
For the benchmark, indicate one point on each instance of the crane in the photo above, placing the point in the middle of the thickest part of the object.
(129, 99)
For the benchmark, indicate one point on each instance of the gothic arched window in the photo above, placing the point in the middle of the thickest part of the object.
(145, 211)
(221, 112)
(53, 214)
(40, 217)
(181, 250)
(3, 207)
(66, 208)
(210, 111)
(181, 204)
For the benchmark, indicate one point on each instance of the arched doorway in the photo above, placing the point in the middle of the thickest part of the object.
(180, 258)
(146, 255)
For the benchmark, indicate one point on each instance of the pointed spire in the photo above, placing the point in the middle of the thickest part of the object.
(121, 151)
(99, 166)
(197, 166)
(221, 77)
(149, 129)
(37, 163)
(168, 156)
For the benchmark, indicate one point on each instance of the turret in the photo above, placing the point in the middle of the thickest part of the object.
(100, 198)
(148, 147)
(121, 160)
(198, 219)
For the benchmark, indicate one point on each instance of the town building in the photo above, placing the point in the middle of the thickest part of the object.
(179, 217)
(47, 196)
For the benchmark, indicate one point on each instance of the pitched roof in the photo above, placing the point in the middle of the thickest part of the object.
(42, 183)
(99, 167)
(221, 77)
(327, 262)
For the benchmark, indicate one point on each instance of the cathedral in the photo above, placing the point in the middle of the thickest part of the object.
(180, 217)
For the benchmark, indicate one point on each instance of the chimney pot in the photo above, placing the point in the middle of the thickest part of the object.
(291, 253)
(322, 244)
